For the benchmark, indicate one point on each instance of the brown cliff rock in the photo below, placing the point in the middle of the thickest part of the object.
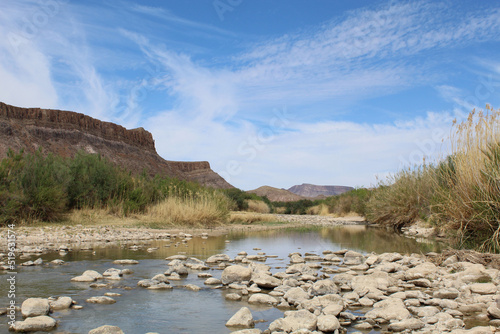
(65, 133)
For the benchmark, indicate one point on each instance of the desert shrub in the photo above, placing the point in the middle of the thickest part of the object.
(257, 206)
(403, 198)
(468, 189)
(32, 187)
(208, 208)
(349, 202)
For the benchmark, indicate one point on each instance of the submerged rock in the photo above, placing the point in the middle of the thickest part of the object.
(101, 300)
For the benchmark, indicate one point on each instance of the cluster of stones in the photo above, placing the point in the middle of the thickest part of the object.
(36, 313)
(318, 220)
(396, 293)
(323, 293)
(48, 238)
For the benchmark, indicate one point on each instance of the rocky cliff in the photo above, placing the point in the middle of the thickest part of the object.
(65, 133)
(312, 190)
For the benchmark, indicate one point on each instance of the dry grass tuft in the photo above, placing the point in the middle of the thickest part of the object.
(200, 210)
(321, 209)
(250, 218)
(258, 206)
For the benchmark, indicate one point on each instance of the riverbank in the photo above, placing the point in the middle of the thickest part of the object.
(49, 237)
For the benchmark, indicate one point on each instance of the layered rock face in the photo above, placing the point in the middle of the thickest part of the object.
(65, 133)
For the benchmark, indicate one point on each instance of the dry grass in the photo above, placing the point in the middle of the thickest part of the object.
(194, 210)
(201, 210)
(403, 198)
(98, 217)
(280, 210)
(461, 194)
(468, 182)
(250, 218)
(257, 206)
(321, 209)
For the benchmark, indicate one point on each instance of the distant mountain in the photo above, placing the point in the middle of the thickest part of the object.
(275, 194)
(312, 190)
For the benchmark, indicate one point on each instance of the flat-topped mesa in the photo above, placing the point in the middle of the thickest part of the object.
(65, 133)
(68, 120)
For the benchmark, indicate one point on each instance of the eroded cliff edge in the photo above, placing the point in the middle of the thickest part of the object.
(65, 133)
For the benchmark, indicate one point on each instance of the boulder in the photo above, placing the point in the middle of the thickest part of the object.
(323, 287)
(390, 257)
(233, 296)
(236, 273)
(248, 331)
(106, 329)
(389, 309)
(377, 280)
(328, 323)
(101, 300)
(41, 323)
(92, 273)
(295, 295)
(407, 324)
(261, 298)
(126, 261)
(483, 288)
(352, 258)
(494, 312)
(297, 320)
(83, 278)
(218, 258)
(33, 307)
(424, 270)
(60, 303)
(242, 318)
(265, 281)
(446, 293)
(212, 281)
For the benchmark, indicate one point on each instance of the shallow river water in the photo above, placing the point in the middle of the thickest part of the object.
(139, 310)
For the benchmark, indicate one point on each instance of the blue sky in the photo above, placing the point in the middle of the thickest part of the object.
(269, 92)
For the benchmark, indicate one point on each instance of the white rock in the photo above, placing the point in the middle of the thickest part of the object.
(261, 298)
(125, 261)
(407, 324)
(328, 323)
(33, 307)
(61, 303)
(389, 309)
(106, 329)
(236, 273)
(40, 323)
(296, 320)
(242, 318)
(483, 288)
(101, 300)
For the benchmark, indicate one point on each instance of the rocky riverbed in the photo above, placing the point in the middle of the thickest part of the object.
(327, 292)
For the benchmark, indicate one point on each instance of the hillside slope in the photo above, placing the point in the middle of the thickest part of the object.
(312, 190)
(275, 194)
(65, 133)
